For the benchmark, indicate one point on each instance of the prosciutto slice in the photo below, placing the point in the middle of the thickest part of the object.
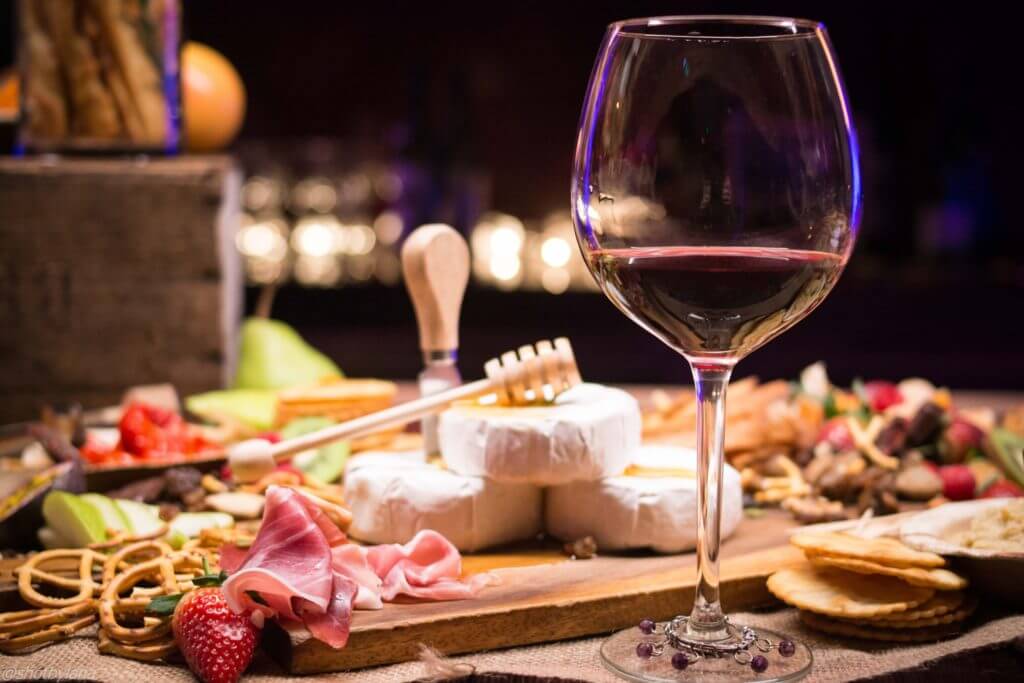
(427, 567)
(302, 568)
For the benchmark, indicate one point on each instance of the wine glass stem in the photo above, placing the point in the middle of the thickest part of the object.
(707, 622)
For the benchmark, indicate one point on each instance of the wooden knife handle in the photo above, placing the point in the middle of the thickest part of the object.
(435, 263)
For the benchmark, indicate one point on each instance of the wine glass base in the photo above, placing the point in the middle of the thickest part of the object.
(723, 661)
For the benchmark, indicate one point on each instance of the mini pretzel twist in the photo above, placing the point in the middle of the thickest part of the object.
(113, 601)
(34, 571)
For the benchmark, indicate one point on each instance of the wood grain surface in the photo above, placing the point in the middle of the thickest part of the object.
(541, 597)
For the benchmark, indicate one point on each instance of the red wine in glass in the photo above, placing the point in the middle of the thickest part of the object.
(713, 301)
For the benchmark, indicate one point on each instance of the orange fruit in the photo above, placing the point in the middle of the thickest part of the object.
(213, 96)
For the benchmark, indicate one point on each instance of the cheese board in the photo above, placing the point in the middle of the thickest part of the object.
(542, 596)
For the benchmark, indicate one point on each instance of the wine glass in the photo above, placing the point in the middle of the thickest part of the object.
(716, 199)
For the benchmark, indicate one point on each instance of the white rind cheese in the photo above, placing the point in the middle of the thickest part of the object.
(394, 495)
(590, 432)
(657, 511)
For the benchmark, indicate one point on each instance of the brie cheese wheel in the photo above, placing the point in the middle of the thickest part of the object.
(588, 433)
(394, 495)
(652, 505)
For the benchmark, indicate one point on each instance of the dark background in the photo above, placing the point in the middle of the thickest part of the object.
(936, 284)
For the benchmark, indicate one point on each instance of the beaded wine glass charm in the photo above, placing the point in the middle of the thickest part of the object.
(686, 651)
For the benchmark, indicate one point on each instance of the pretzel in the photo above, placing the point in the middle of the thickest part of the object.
(120, 537)
(30, 628)
(33, 570)
(14, 624)
(148, 651)
(113, 603)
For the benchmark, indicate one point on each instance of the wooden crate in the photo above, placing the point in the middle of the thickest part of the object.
(115, 272)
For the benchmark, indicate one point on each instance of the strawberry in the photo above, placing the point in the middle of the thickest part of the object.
(837, 433)
(880, 395)
(217, 643)
(957, 482)
(1003, 489)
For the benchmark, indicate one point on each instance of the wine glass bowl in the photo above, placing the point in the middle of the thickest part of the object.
(716, 199)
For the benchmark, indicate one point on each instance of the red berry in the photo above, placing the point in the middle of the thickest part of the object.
(217, 643)
(837, 433)
(880, 395)
(1003, 489)
(963, 436)
(957, 482)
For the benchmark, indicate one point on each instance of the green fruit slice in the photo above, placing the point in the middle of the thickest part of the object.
(1009, 451)
(323, 464)
(142, 519)
(189, 524)
(254, 407)
(51, 540)
(272, 355)
(113, 517)
(73, 519)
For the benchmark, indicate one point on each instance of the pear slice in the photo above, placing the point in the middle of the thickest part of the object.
(272, 355)
(73, 519)
(113, 517)
(142, 519)
(254, 407)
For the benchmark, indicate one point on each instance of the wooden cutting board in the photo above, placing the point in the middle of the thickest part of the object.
(542, 597)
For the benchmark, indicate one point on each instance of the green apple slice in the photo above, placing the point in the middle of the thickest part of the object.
(190, 524)
(323, 464)
(113, 517)
(73, 519)
(51, 540)
(142, 519)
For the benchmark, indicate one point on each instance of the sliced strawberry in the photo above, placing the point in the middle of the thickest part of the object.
(837, 433)
(881, 395)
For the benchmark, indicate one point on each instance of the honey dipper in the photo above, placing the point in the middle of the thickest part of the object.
(532, 373)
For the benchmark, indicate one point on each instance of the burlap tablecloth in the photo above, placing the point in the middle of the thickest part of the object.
(835, 660)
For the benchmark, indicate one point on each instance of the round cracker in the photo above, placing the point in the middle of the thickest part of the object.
(887, 551)
(957, 615)
(939, 579)
(852, 630)
(845, 594)
(941, 603)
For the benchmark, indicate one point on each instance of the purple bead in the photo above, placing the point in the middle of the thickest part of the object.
(647, 626)
(759, 663)
(787, 648)
(644, 650)
(679, 661)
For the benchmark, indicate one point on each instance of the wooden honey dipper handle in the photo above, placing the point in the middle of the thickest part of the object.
(535, 373)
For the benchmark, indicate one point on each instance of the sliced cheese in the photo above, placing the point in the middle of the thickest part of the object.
(588, 433)
(653, 505)
(394, 495)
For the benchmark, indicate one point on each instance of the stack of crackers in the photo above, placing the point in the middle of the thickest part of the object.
(873, 588)
(338, 400)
